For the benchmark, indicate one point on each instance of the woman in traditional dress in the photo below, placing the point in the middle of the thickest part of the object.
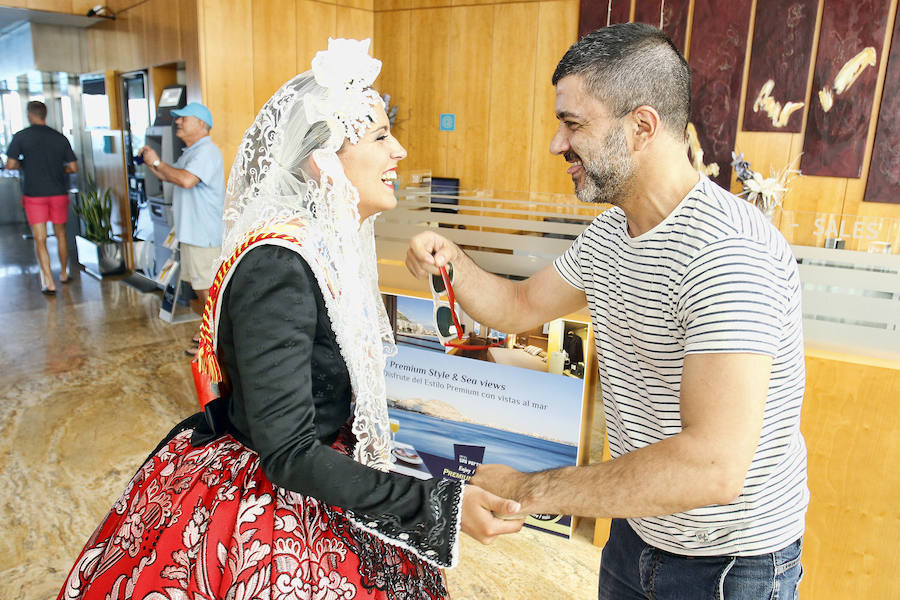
(279, 488)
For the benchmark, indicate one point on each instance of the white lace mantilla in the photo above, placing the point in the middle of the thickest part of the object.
(287, 178)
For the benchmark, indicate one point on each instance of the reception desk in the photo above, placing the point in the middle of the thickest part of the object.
(850, 422)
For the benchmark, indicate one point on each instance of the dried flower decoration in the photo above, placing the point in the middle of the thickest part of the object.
(764, 193)
(346, 71)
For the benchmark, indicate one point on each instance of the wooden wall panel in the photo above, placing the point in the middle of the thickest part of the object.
(390, 44)
(81, 7)
(429, 76)
(227, 69)
(837, 129)
(354, 23)
(717, 63)
(557, 27)
(512, 96)
(470, 35)
(783, 36)
(162, 32)
(188, 35)
(64, 6)
(316, 21)
(274, 47)
(883, 183)
(849, 422)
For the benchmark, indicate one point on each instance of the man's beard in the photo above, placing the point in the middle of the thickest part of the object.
(607, 171)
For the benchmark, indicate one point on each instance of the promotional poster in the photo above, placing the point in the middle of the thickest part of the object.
(516, 401)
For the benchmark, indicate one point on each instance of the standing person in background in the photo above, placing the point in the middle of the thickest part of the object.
(695, 302)
(46, 159)
(198, 201)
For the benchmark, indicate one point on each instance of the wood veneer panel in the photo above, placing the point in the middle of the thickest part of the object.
(429, 77)
(63, 6)
(512, 96)
(470, 34)
(595, 14)
(718, 48)
(188, 29)
(779, 61)
(316, 21)
(228, 50)
(849, 422)
(390, 45)
(274, 47)
(835, 140)
(883, 184)
(557, 28)
(354, 23)
(674, 17)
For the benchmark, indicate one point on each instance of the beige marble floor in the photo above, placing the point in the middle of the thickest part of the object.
(91, 379)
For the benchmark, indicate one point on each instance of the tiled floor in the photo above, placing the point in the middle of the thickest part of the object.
(91, 379)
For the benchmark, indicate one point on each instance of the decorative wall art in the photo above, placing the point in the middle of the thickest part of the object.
(883, 184)
(673, 13)
(718, 47)
(850, 42)
(779, 65)
(596, 14)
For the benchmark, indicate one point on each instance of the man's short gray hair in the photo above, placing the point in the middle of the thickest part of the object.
(629, 65)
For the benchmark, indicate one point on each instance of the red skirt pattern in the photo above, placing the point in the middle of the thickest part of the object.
(205, 523)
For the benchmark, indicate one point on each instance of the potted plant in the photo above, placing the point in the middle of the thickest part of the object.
(98, 251)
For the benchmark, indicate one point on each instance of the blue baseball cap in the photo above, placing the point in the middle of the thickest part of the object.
(195, 109)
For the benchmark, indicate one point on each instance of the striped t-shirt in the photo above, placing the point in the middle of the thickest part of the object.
(713, 276)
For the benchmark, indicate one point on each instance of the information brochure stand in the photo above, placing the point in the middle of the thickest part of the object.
(168, 310)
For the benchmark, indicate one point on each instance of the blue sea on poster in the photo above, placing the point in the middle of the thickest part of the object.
(522, 452)
(480, 393)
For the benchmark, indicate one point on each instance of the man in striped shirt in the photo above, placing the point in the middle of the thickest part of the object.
(695, 302)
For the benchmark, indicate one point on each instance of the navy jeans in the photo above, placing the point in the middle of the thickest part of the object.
(630, 569)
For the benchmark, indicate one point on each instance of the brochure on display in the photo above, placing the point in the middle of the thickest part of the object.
(451, 411)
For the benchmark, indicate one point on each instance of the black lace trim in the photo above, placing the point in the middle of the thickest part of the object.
(385, 566)
(432, 539)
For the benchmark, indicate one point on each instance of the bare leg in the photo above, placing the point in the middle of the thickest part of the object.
(202, 296)
(62, 246)
(39, 231)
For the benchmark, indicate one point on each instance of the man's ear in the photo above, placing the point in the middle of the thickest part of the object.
(646, 125)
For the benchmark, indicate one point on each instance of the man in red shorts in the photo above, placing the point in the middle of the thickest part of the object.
(46, 159)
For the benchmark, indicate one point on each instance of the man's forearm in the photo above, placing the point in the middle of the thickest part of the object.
(489, 299)
(180, 177)
(667, 477)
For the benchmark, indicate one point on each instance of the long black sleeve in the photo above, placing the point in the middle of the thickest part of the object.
(291, 391)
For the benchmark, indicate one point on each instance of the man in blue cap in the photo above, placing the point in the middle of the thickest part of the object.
(199, 198)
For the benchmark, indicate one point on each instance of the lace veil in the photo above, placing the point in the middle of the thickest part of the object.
(287, 177)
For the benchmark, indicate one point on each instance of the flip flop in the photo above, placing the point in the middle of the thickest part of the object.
(47, 291)
(68, 279)
(192, 351)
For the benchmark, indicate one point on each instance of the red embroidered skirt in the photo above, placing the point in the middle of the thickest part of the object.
(205, 523)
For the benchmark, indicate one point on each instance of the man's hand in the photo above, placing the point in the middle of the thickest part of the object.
(478, 510)
(501, 480)
(427, 251)
(149, 155)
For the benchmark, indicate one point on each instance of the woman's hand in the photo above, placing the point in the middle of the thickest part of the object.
(478, 510)
(427, 252)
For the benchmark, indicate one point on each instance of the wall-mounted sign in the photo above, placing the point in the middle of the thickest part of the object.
(448, 122)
